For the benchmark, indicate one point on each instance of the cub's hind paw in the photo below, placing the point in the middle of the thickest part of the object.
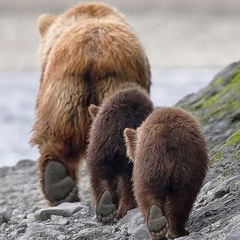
(157, 223)
(59, 186)
(106, 210)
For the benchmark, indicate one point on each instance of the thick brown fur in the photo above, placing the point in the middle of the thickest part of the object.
(109, 167)
(170, 162)
(85, 54)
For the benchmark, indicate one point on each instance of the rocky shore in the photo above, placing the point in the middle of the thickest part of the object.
(24, 214)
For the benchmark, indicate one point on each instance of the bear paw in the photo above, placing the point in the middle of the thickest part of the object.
(59, 186)
(157, 223)
(106, 210)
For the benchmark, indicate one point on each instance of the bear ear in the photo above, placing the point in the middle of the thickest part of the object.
(93, 110)
(130, 136)
(44, 22)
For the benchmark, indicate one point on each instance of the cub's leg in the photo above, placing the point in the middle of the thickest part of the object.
(152, 207)
(178, 208)
(104, 193)
(126, 197)
(106, 209)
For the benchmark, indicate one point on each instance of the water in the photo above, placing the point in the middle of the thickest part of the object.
(18, 92)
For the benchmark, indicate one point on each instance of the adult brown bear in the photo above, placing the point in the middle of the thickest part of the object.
(85, 54)
(109, 167)
(170, 163)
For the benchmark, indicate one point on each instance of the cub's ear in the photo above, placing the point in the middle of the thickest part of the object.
(93, 110)
(44, 22)
(130, 136)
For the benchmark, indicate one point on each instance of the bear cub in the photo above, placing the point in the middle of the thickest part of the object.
(109, 167)
(170, 159)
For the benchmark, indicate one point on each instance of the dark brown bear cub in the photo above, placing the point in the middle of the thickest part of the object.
(170, 163)
(109, 168)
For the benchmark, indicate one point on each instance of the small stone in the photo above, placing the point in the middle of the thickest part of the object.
(116, 229)
(124, 232)
(61, 237)
(35, 209)
(3, 217)
(63, 221)
(211, 213)
(56, 217)
(140, 233)
(24, 222)
(84, 210)
(60, 220)
(30, 217)
(72, 207)
(44, 214)
(90, 223)
(123, 238)
(16, 212)
(25, 163)
(21, 230)
(221, 193)
(3, 226)
(233, 187)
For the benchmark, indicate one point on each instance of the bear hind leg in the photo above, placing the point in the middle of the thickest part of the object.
(59, 186)
(152, 207)
(106, 209)
(178, 210)
(104, 193)
(157, 223)
(58, 176)
(126, 196)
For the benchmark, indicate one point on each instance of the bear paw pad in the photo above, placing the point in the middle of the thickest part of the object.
(157, 223)
(106, 210)
(59, 186)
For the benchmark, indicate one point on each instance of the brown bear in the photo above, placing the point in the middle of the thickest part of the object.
(170, 163)
(85, 54)
(109, 167)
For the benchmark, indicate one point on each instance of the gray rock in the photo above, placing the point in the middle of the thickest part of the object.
(33, 230)
(45, 214)
(141, 233)
(3, 217)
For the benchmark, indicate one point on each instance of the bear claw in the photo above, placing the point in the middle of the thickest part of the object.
(157, 223)
(59, 186)
(106, 210)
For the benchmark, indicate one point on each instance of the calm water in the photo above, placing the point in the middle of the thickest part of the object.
(18, 92)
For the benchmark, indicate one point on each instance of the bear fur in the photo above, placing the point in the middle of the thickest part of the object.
(170, 163)
(85, 54)
(109, 167)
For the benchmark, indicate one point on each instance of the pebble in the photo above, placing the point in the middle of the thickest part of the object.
(141, 233)
(3, 217)
(44, 214)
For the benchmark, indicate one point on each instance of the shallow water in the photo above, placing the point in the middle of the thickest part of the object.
(18, 92)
